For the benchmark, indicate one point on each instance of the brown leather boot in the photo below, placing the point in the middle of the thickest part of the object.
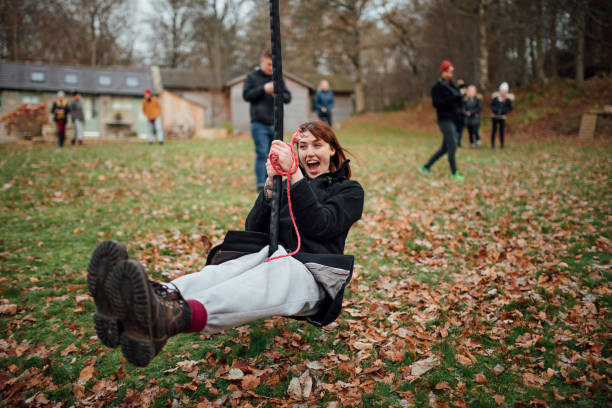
(149, 312)
(105, 257)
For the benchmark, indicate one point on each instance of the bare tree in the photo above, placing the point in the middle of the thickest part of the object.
(214, 35)
(170, 26)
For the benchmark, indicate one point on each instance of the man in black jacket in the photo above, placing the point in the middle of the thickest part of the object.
(259, 92)
(448, 102)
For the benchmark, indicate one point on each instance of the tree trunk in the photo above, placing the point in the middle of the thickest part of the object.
(580, 46)
(94, 41)
(359, 92)
(14, 41)
(552, 34)
(540, 42)
(484, 53)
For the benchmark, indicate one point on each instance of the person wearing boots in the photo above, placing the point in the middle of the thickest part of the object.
(473, 106)
(60, 111)
(501, 105)
(142, 315)
(76, 112)
(448, 102)
(152, 110)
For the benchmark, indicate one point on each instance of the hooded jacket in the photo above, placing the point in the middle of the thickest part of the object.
(262, 103)
(500, 107)
(325, 208)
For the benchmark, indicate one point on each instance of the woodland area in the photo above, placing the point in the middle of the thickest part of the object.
(390, 49)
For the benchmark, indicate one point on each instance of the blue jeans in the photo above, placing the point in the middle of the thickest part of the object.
(155, 128)
(262, 137)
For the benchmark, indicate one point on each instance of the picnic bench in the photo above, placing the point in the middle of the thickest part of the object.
(588, 122)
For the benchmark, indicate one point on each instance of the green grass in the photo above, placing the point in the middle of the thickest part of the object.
(511, 266)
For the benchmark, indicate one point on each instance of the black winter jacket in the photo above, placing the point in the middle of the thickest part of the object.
(473, 106)
(325, 208)
(447, 100)
(500, 107)
(262, 103)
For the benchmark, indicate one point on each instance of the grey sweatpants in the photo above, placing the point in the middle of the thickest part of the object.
(246, 289)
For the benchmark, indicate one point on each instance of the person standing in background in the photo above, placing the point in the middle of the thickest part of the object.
(258, 90)
(152, 110)
(60, 111)
(324, 102)
(448, 102)
(76, 112)
(501, 105)
(473, 106)
(461, 123)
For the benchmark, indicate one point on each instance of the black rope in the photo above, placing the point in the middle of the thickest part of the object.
(277, 79)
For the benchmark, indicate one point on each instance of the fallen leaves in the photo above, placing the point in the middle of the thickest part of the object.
(422, 366)
(457, 290)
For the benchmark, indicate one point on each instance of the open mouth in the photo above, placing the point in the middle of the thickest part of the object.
(313, 165)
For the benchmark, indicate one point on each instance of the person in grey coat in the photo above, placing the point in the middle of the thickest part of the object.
(78, 118)
(473, 106)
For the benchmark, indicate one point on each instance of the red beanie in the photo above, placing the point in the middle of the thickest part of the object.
(148, 91)
(445, 66)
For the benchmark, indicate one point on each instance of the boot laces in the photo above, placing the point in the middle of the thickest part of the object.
(170, 296)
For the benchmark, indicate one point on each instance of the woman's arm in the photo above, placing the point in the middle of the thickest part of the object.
(259, 216)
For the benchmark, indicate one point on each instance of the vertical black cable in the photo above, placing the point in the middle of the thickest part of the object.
(277, 78)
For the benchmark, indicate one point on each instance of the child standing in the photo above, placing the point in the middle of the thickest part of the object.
(501, 105)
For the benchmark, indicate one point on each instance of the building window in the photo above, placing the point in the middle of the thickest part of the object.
(30, 99)
(37, 76)
(104, 80)
(132, 82)
(71, 79)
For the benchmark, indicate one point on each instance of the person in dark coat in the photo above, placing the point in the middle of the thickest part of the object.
(501, 105)
(60, 111)
(473, 106)
(142, 315)
(448, 102)
(258, 90)
(461, 123)
(324, 102)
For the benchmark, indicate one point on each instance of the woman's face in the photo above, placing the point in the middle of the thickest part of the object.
(314, 154)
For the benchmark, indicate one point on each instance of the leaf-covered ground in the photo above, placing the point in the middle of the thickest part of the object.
(491, 292)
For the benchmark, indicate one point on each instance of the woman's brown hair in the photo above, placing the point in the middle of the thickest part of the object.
(322, 131)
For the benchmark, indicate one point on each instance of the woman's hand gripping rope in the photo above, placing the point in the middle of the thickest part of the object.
(294, 166)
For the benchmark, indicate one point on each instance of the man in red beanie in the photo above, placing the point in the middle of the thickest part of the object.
(448, 102)
(152, 110)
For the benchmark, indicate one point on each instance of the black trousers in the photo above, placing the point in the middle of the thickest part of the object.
(502, 124)
(473, 131)
(449, 134)
(460, 127)
(326, 117)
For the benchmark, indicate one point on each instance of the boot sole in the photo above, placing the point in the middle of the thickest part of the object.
(129, 293)
(103, 260)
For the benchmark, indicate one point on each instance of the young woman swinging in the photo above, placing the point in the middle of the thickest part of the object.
(238, 285)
